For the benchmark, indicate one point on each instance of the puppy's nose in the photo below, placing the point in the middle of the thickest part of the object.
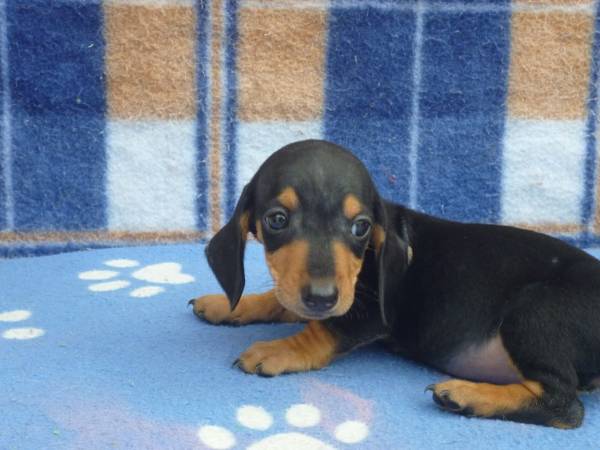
(318, 300)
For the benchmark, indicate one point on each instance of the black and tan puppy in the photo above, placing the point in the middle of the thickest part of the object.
(515, 312)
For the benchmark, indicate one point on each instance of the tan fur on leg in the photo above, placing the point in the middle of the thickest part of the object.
(313, 348)
(251, 308)
(484, 399)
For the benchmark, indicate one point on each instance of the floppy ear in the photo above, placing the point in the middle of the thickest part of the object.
(225, 251)
(392, 260)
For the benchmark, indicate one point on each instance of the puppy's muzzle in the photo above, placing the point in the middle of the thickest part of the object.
(319, 298)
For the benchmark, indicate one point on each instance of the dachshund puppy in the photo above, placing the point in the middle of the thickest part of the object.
(514, 315)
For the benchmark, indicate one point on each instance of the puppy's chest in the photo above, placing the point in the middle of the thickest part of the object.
(487, 361)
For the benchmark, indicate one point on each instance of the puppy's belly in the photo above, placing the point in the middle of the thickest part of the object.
(487, 362)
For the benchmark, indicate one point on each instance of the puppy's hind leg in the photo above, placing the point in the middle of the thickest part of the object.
(528, 402)
(251, 308)
(541, 336)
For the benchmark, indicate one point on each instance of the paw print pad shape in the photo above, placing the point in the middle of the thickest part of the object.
(302, 417)
(21, 333)
(109, 279)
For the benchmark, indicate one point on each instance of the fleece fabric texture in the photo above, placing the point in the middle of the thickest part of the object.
(99, 350)
(130, 122)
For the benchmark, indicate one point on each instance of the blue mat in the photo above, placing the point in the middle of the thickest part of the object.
(98, 350)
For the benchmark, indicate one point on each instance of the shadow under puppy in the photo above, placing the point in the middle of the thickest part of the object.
(515, 312)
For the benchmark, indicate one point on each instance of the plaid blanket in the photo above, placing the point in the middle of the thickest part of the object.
(139, 121)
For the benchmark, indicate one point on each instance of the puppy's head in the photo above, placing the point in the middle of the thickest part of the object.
(315, 209)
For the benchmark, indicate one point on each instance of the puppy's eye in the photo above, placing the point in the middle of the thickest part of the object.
(360, 228)
(276, 220)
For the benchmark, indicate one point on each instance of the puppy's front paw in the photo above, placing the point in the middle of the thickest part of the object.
(212, 308)
(270, 359)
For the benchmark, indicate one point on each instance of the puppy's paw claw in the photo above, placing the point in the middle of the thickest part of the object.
(443, 399)
(267, 359)
(453, 396)
(211, 308)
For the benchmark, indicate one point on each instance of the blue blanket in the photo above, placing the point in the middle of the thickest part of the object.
(98, 350)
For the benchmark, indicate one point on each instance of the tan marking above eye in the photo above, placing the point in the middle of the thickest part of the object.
(352, 206)
(289, 198)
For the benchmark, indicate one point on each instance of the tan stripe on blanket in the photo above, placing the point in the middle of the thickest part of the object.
(550, 65)
(216, 112)
(554, 2)
(551, 228)
(281, 61)
(150, 62)
(100, 236)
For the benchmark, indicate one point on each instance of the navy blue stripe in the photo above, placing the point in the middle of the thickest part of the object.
(462, 108)
(3, 224)
(584, 240)
(231, 123)
(591, 126)
(368, 91)
(202, 116)
(56, 52)
(3, 157)
(3, 169)
(28, 250)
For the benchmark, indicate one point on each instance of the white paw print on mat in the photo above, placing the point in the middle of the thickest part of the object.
(302, 416)
(19, 333)
(162, 273)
